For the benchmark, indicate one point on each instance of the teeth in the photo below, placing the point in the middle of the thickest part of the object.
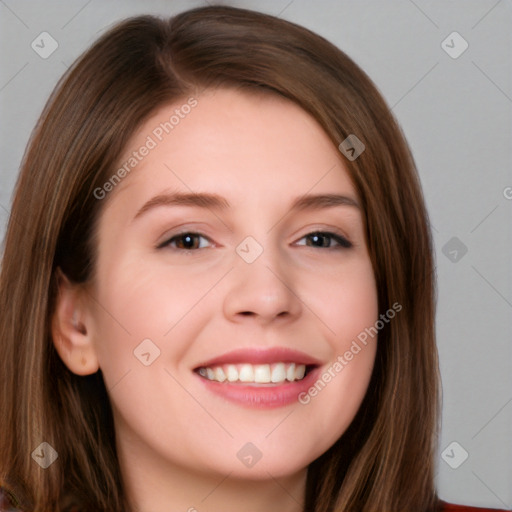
(279, 373)
(246, 373)
(262, 374)
(290, 372)
(300, 371)
(232, 373)
(258, 373)
(219, 374)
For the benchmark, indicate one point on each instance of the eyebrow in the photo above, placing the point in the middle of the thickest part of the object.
(218, 203)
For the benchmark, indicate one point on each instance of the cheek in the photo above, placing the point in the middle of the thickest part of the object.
(147, 322)
(344, 298)
(139, 300)
(346, 302)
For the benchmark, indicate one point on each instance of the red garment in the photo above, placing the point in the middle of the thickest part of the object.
(450, 507)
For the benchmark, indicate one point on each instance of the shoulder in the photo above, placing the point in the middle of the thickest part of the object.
(450, 507)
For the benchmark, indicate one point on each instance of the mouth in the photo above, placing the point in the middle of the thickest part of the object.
(259, 378)
(247, 373)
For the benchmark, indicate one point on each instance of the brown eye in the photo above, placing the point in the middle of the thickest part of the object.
(326, 240)
(185, 241)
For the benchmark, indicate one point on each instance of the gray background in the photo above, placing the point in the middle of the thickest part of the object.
(456, 114)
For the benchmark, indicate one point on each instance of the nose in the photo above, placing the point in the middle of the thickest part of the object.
(263, 291)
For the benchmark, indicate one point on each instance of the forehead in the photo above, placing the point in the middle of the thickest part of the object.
(234, 143)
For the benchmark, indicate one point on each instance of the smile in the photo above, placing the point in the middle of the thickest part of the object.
(275, 373)
(259, 378)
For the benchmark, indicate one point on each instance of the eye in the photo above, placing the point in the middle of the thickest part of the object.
(186, 241)
(324, 240)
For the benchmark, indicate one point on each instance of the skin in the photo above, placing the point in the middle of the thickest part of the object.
(177, 442)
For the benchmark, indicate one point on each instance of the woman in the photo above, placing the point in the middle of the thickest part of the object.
(217, 285)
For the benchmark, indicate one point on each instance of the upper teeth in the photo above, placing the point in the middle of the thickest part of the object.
(257, 373)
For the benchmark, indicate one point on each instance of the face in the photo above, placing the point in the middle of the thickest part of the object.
(232, 277)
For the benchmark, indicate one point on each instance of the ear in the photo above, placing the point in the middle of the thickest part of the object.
(72, 328)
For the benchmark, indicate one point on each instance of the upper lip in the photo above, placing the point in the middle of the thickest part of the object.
(261, 356)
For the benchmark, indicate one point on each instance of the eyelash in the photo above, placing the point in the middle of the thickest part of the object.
(342, 242)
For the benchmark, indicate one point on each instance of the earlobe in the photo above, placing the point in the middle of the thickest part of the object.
(72, 328)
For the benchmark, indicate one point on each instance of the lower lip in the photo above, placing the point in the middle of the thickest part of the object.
(262, 397)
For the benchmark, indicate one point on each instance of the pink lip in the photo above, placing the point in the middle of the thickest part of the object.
(262, 356)
(264, 396)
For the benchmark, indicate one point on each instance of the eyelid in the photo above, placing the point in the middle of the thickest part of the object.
(342, 241)
(168, 239)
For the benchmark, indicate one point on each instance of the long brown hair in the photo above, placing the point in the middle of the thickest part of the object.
(385, 460)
